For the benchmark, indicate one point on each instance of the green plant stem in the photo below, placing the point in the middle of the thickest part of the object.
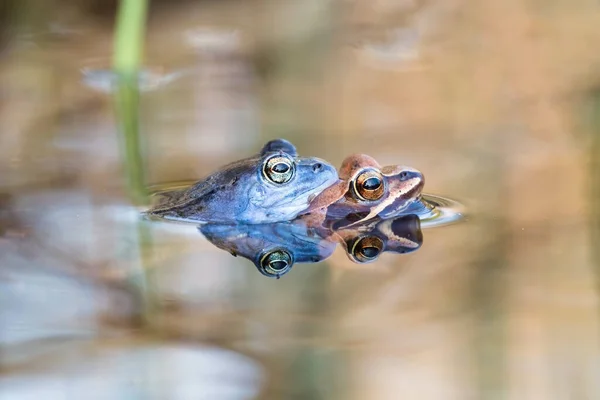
(128, 50)
(129, 36)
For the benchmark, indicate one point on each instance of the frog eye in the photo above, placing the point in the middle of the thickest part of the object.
(279, 169)
(368, 185)
(366, 249)
(276, 263)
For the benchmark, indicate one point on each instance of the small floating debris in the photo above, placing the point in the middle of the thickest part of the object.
(106, 80)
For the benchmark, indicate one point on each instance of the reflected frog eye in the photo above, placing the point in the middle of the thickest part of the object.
(368, 185)
(279, 169)
(366, 249)
(276, 263)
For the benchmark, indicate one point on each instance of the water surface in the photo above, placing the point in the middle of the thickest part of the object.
(486, 99)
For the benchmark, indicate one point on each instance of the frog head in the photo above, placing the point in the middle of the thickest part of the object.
(366, 187)
(274, 185)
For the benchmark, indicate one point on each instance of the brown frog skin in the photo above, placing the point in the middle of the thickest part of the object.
(365, 188)
(274, 185)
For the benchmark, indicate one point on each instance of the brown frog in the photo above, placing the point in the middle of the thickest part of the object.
(367, 190)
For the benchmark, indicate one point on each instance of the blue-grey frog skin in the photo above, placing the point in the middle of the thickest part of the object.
(273, 248)
(272, 186)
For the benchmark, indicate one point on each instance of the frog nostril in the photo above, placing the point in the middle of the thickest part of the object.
(317, 167)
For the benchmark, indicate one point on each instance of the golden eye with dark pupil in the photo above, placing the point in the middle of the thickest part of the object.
(367, 248)
(276, 262)
(279, 169)
(368, 185)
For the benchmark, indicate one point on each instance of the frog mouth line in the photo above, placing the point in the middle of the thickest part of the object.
(321, 187)
(416, 191)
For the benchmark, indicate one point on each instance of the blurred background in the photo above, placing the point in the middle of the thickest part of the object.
(496, 102)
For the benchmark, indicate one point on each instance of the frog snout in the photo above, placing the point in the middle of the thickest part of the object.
(407, 175)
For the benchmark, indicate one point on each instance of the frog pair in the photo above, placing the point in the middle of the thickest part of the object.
(278, 185)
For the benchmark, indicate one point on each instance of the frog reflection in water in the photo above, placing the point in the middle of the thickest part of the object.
(365, 188)
(274, 248)
(274, 185)
(364, 243)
